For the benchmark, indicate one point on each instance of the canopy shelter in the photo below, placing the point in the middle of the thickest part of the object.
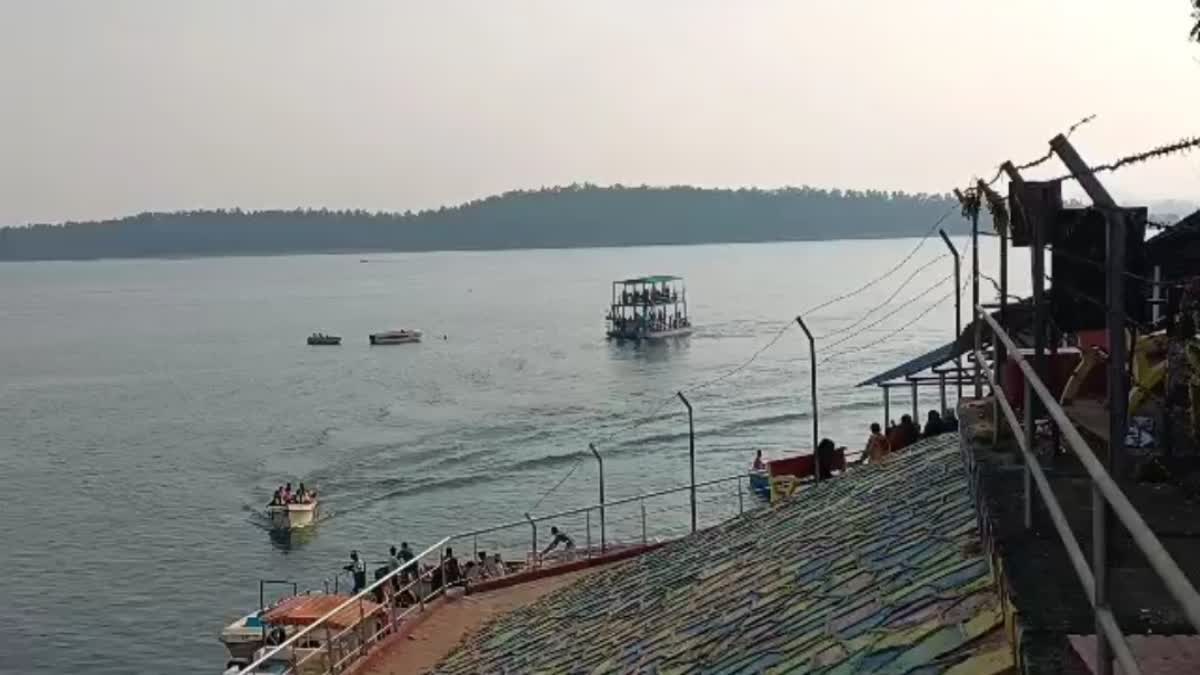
(939, 366)
(302, 610)
(652, 279)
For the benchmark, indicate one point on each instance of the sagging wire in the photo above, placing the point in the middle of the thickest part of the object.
(652, 415)
(937, 284)
(885, 338)
(886, 302)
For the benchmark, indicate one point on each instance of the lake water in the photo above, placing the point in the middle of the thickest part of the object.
(150, 407)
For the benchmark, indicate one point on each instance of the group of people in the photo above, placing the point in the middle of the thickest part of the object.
(651, 321)
(650, 296)
(907, 432)
(448, 572)
(285, 495)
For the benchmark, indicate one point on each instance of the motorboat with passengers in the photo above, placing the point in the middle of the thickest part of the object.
(293, 510)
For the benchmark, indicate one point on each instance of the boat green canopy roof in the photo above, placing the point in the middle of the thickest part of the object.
(654, 279)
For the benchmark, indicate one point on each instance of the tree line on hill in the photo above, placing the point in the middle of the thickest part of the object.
(578, 215)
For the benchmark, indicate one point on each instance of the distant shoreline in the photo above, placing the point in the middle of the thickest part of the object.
(369, 252)
(575, 216)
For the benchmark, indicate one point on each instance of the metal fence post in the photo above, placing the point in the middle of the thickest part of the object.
(329, 652)
(691, 453)
(957, 310)
(887, 407)
(741, 510)
(533, 526)
(600, 461)
(812, 367)
(1030, 436)
(942, 390)
(642, 502)
(916, 413)
(587, 518)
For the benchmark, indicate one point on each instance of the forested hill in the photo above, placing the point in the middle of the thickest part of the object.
(573, 216)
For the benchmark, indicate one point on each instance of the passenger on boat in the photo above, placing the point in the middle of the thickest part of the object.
(277, 498)
(934, 425)
(287, 494)
(559, 537)
(759, 465)
(358, 569)
(877, 445)
(497, 568)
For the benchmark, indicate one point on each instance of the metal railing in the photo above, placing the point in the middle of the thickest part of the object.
(1105, 495)
(636, 524)
(323, 647)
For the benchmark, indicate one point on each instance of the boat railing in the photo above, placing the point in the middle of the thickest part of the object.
(330, 645)
(1106, 496)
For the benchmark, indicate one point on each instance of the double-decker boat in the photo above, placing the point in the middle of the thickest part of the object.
(649, 308)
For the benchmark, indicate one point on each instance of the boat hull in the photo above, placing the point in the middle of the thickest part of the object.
(332, 342)
(395, 337)
(652, 335)
(292, 516)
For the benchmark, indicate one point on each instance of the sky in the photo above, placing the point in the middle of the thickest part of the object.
(117, 107)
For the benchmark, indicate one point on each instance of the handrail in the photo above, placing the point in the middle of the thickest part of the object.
(356, 598)
(572, 512)
(461, 535)
(1180, 589)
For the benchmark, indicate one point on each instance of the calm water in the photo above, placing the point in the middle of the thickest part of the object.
(150, 407)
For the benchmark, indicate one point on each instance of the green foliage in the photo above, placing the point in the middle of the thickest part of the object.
(576, 215)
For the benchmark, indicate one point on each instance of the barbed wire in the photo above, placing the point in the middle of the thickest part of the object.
(1182, 145)
(1044, 158)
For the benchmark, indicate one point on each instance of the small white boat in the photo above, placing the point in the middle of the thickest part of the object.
(292, 516)
(395, 337)
(244, 636)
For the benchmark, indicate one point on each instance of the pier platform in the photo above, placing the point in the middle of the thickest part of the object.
(881, 569)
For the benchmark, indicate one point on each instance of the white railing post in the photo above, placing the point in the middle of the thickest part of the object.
(643, 504)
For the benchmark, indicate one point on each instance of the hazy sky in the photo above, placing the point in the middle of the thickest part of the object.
(108, 108)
